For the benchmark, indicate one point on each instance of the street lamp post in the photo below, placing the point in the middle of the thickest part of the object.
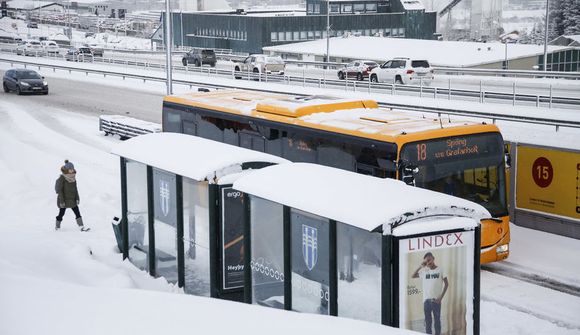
(327, 31)
(546, 25)
(168, 43)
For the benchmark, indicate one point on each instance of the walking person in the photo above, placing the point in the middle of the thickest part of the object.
(68, 195)
(435, 285)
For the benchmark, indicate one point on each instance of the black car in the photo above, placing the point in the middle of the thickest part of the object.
(24, 81)
(198, 57)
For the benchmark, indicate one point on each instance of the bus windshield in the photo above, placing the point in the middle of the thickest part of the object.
(470, 167)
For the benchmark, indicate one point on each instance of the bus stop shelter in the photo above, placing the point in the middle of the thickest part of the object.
(327, 241)
(181, 219)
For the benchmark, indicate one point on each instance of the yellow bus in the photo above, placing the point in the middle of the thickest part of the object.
(465, 159)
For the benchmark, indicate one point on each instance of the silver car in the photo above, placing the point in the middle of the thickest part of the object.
(260, 64)
(30, 48)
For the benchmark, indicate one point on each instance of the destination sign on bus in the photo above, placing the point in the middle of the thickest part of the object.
(454, 148)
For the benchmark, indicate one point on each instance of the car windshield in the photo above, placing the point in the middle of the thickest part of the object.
(207, 52)
(28, 75)
(420, 63)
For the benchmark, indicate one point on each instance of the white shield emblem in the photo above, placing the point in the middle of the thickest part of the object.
(164, 196)
(310, 246)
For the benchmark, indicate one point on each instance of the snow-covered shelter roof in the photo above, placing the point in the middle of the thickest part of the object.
(438, 53)
(362, 201)
(190, 156)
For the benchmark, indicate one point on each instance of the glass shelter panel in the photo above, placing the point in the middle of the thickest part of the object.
(196, 237)
(310, 263)
(165, 225)
(137, 214)
(267, 263)
(359, 273)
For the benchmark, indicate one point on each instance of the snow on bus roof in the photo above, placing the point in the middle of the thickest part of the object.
(379, 120)
(362, 201)
(190, 156)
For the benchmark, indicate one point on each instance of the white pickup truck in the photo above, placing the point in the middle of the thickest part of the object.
(260, 64)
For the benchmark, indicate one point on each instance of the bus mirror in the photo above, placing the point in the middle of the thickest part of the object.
(409, 172)
(508, 160)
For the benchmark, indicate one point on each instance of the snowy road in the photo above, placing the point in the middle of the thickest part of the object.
(38, 132)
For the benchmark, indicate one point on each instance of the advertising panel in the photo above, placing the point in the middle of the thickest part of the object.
(436, 283)
(548, 181)
(233, 238)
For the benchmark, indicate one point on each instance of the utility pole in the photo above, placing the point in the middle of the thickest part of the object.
(327, 31)
(546, 25)
(168, 43)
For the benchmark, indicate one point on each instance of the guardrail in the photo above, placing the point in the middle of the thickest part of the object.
(126, 127)
(423, 91)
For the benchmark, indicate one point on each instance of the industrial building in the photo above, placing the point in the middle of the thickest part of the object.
(250, 31)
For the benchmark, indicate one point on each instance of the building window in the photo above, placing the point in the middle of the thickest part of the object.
(367, 32)
(296, 36)
(310, 35)
(288, 36)
(335, 8)
(402, 32)
(317, 8)
(303, 35)
(371, 7)
(359, 7)
(346, 8)
(274, 36)
(310, 8)
(317, 34)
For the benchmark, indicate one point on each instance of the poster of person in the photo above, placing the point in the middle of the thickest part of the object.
(436, 283)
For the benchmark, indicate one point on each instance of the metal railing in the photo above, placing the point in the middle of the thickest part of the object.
(319, 83)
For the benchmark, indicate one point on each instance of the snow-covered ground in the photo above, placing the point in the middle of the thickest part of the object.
(61, 282)
(68, 282)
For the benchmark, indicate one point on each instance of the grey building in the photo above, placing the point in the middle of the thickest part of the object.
(250, 31)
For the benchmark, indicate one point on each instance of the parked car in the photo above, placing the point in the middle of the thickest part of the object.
(50, 47)
(32, 25)
(198, 57)
(404, 71)
(24, 81)
(82, 54)
(260, 64)
(359, 69)
(97, 50)
(29, 48)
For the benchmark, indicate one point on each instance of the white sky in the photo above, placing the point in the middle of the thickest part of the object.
(50, 282)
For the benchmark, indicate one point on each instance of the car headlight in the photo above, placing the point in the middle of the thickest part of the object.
(45, 83)
(24, 84)
(502, 249)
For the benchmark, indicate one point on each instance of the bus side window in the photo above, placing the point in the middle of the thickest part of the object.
(172, 122)
(251, 141)
(189, 127)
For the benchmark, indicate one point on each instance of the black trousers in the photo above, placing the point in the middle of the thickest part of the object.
(61, 211)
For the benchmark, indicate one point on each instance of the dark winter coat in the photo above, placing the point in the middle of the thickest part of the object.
(66, 188)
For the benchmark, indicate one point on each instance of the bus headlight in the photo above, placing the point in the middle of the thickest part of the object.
(502, 249)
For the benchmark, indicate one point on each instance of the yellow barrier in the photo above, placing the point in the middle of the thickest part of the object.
(548, 181)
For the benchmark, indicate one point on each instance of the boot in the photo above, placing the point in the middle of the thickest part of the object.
(57, 224)
(80, 223)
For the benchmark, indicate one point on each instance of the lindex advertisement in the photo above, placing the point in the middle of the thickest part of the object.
(233, 238)
(436, 285)
(548, 181)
